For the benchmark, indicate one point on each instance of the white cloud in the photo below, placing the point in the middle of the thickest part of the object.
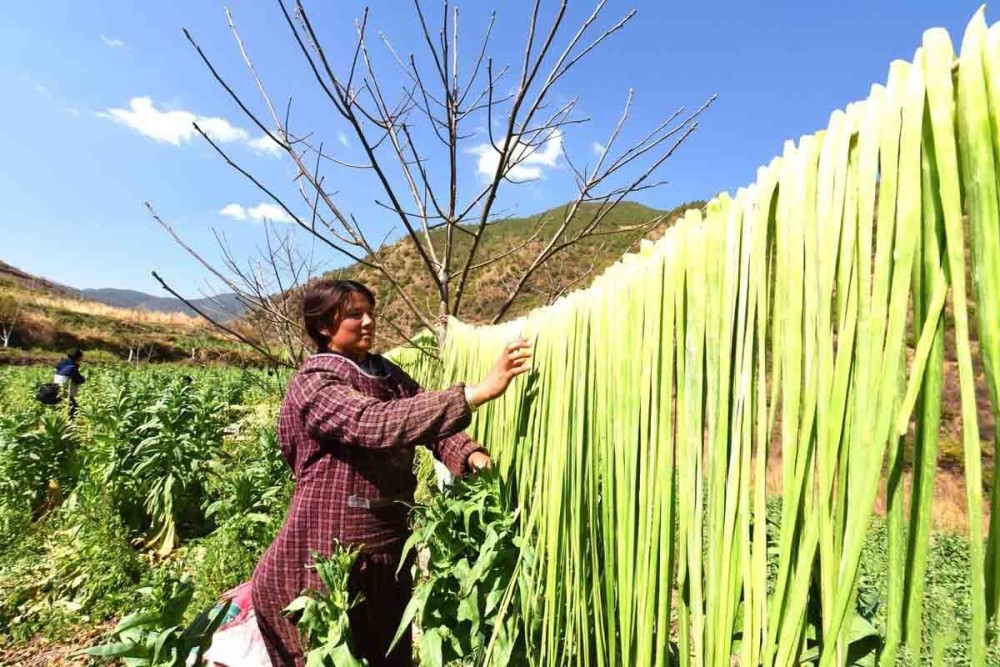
(599, 148)
(259, 213)
(112, 42)
(73, 111)
(342, 138)
(271, 212)
(176, 126)
(172, 127)
(264, 144)
(219, 129)
(234, 211)
(529, 161)
(41, 90)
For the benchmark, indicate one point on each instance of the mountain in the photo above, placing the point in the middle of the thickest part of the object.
(13, 275)
(224, 306)
(50, 318)
(518, 241)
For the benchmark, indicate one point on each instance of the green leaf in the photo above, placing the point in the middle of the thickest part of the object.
(296, 605)
(342, 657)
(468, 607)
(416, 604)
(429, 649)
(137, 620)
(121, 650)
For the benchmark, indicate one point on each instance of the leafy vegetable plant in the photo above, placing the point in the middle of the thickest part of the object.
(477, 565)
(322, 617)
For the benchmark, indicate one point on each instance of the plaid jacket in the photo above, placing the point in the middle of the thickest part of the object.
(349, 438)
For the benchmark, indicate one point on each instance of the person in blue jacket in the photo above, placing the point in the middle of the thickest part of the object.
(68, 377)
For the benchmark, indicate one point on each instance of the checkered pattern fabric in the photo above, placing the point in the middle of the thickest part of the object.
(347, 433)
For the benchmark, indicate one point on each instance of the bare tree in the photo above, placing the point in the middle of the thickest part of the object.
(134, 337)
(268, 288)
(10, 317)
(412, 140)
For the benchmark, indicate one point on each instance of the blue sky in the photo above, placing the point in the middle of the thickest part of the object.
(99, 97)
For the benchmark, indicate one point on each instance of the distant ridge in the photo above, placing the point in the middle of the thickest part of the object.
(225, 306)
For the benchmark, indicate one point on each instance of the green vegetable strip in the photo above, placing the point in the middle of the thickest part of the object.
(986, 271)
(928, 300)
(979, 185)
(906, 233)
(639, 445)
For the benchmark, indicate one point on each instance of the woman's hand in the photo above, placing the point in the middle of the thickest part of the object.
(514, 360)
(479, 460)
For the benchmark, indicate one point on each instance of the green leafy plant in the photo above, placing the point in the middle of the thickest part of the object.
(158, 637)
(249, 487)
(165, 459)
(73, 497)
(477, 563)
(74, 567)
(37, 458)
(322, 617)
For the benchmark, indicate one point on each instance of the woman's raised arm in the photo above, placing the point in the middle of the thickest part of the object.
(334, 411)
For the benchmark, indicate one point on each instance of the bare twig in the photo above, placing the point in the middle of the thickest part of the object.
(243, 339)
(409, 142)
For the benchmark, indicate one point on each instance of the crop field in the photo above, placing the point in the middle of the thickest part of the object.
(166, 473)
(169, 484)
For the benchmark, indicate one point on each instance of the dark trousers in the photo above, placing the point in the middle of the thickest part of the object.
(374, 621)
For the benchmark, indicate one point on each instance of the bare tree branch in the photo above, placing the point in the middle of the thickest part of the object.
(354, 232)
(246, 341)
(408, 140)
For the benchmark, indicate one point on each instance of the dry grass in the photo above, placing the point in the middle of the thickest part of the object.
(58, 321)
(125, 314)
(40, 652)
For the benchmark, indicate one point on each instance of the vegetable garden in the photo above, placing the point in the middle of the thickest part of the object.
(109, 514)
(628, 522)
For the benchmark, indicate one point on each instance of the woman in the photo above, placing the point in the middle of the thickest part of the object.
(347, 428)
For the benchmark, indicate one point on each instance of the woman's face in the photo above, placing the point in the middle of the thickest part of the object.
(356, 333)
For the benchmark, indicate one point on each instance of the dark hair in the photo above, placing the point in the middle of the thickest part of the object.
(326, 299)
(75, 354)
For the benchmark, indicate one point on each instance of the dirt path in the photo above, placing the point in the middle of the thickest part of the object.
(39, 652)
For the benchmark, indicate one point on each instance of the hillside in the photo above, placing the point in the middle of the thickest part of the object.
(52, 318)
(12, 275)
(129, 299)
(123, 298)
(576, 266)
